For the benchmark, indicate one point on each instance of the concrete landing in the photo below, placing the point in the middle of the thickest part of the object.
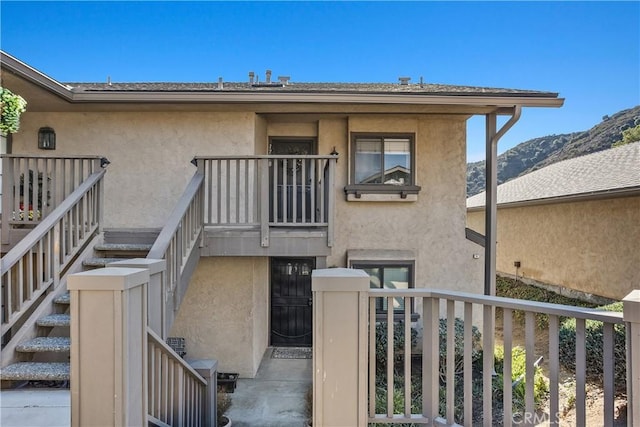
(275, 397)
(35, 408)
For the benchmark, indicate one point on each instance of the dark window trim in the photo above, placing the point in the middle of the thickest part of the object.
(381, 315)
(402, 190)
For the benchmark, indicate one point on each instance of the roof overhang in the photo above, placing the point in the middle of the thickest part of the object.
(582, 197)
(33, 81)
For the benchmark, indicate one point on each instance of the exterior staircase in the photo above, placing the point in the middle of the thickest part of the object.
(44, 360)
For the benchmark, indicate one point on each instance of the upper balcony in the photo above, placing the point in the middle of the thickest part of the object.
(270, 205)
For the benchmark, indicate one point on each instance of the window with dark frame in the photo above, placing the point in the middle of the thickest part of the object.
(389, 275)
(382, 163)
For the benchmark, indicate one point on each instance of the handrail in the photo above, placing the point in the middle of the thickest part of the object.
(503, 302)
(176, 393)
(155, 338)
(178, 244)
(163, 240)
(48, 223)
(39, 260)
(269, 156)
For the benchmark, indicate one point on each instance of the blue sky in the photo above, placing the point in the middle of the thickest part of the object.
(589, 52)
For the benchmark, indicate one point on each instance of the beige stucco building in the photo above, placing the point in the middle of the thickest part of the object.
(574, 224)
(406, 229)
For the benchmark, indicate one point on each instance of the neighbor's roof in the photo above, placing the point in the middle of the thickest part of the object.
(290, 92)
(613, 172)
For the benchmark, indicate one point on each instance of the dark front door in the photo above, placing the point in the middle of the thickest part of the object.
(293, 180)
(291, 301)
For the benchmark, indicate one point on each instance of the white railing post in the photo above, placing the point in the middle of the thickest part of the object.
(156, 292)
(109, 347)
(7, 197)
(263, 190)
(340, 359)
(631, 316)
(208, 369)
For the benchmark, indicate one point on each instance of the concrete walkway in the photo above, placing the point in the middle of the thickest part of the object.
(275, 398)
(38, 407)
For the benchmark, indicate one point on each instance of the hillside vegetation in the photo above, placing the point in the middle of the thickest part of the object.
(540, 152)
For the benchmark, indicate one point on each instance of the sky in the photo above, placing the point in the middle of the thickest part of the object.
(588, 52)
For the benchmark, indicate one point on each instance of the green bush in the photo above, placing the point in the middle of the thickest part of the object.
(594, 346)
(518, 371)
(398, 343)
(476, 346)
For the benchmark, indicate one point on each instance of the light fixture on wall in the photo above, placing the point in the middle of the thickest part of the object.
(46, 138)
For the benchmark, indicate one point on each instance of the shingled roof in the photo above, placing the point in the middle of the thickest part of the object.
(611, 172)
(292, 87)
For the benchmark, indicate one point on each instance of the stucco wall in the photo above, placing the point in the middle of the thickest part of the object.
(149, 153)
(433, 226)
(224, 313)
(589, 246)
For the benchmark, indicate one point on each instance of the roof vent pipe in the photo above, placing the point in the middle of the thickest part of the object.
(251, 76)
(220, 86)
(109, 80)
(404, 80)
(421, 82)
(268, 76)
(284, 80)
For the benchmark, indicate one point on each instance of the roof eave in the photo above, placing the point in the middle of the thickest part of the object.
(581, 197)
(305, 97)
(18, 67)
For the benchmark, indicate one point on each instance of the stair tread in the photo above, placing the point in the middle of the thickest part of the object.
(41, 344)
(34, 371)
(55, 320)
(99, 262)
(63, 299)
(123, 247)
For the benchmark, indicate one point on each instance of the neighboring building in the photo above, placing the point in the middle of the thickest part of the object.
(392, 200)
(574, 224)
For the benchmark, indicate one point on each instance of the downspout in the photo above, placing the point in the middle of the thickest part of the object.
(491, 210)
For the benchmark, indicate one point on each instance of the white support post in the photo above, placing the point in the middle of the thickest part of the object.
(109, 347)
(631, 315)
(208, 369)
(340, 359)
(156, 292)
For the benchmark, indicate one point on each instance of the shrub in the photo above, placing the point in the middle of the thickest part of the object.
(458, 345)
(398, 342)
(594, 344)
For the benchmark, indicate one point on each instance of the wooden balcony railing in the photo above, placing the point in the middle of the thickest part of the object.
(36, 264)
(269, 191)
(349, 389)
(33, 186)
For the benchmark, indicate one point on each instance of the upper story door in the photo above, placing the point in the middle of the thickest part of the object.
(291, 180)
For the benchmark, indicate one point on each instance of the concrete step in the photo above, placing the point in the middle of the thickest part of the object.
(64, 299)
(98, 262)
(131, 250)
(42, 344)
(54, 320)
(32, 371)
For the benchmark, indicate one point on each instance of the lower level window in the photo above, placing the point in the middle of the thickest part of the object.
(388, 276)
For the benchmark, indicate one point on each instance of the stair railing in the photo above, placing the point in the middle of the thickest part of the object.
(179, 245)
(33, 186)
(176, 394)
(36, 264)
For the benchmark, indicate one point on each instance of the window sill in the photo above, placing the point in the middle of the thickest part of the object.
(382, 193)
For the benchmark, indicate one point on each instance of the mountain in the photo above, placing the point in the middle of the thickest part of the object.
(540, 152)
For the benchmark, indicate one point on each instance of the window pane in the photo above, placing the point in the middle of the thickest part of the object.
(368, 161)
(397, 161)
(396, 278)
